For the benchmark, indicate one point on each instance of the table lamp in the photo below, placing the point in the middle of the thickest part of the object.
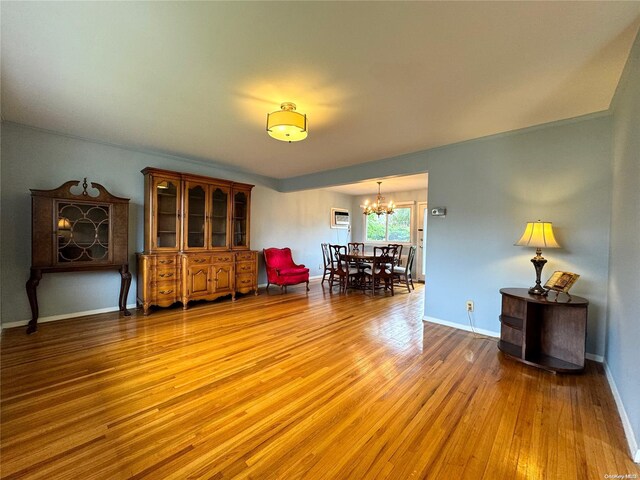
(538, 234)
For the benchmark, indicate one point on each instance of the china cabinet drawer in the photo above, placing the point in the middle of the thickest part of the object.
(245, 280)
(245, 267)
(165, 291)
(222, 258)
(241, 256)
(165, 260)
(163, 274)
(195, 260)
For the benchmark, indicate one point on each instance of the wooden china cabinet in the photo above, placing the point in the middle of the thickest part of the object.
(77, 232)
(196, 239)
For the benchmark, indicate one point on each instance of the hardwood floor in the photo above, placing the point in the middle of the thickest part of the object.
(294, 386)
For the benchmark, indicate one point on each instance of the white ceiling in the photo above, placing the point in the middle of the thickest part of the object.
(376, 79)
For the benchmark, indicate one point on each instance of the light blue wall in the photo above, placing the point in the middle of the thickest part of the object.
(36, 159)
(491, 188)
(623, 333)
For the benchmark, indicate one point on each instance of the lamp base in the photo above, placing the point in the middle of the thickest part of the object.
(538, 262)
(538, 290)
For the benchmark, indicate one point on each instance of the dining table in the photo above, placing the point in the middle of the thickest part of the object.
(361, 260)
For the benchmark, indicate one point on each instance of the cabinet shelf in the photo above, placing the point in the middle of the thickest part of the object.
(510, 348)
(513, 322)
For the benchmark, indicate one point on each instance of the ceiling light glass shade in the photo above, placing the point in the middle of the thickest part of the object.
(287, 125)
(539, 235)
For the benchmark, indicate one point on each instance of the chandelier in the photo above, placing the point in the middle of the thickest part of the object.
(378, 207)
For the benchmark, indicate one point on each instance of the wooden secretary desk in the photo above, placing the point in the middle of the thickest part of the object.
(196, 239)
(77, 232)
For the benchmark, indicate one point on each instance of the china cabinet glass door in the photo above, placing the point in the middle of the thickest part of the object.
(218, 215)
(240, 219)
(167, 203)
(195, 213)
(82, 232)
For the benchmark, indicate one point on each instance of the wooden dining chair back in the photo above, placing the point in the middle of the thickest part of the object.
(402, 275)
(399, 248)
(355, 247)
(381, 273)
(342, 271)
(328, 264)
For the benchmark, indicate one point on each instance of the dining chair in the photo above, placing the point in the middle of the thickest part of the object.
(328, 264)
(343, 270)
(403, 274)
(399, 247)
(355, 246)
(384, 259)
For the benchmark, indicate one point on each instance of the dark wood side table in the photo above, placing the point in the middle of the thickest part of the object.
(546, 332)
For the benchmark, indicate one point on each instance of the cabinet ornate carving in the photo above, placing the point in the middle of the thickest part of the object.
(196, 239)
(77, 232)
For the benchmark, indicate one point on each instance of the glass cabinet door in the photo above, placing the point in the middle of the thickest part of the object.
(218, 215)
(195, 215)
(167, 193)
(82, 232)
(240, 219)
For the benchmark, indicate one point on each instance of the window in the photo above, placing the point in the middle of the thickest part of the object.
(389, 228)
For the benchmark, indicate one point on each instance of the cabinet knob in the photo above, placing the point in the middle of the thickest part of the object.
(166, 292)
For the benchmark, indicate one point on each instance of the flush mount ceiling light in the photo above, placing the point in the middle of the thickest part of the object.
(287, 125)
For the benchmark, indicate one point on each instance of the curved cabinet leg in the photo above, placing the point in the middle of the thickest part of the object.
(125, 283)
(32, 284)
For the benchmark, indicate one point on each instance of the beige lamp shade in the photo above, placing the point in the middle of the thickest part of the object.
(287, 125)
(539, 235)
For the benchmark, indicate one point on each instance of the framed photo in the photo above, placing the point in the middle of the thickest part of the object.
(340, 218)
(561, 281)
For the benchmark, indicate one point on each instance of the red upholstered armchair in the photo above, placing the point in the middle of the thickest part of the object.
(281, 269)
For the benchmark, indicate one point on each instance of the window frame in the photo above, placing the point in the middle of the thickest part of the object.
(410, 206)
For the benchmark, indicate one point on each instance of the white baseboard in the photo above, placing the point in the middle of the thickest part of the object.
(460, 326)
(314, 277)
(53, 318)
(594, 357)
(634, 449)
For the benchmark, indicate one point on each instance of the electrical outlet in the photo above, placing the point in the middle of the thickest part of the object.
(469, 305)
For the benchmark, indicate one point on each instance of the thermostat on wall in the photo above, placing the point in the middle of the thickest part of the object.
(438, 212)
